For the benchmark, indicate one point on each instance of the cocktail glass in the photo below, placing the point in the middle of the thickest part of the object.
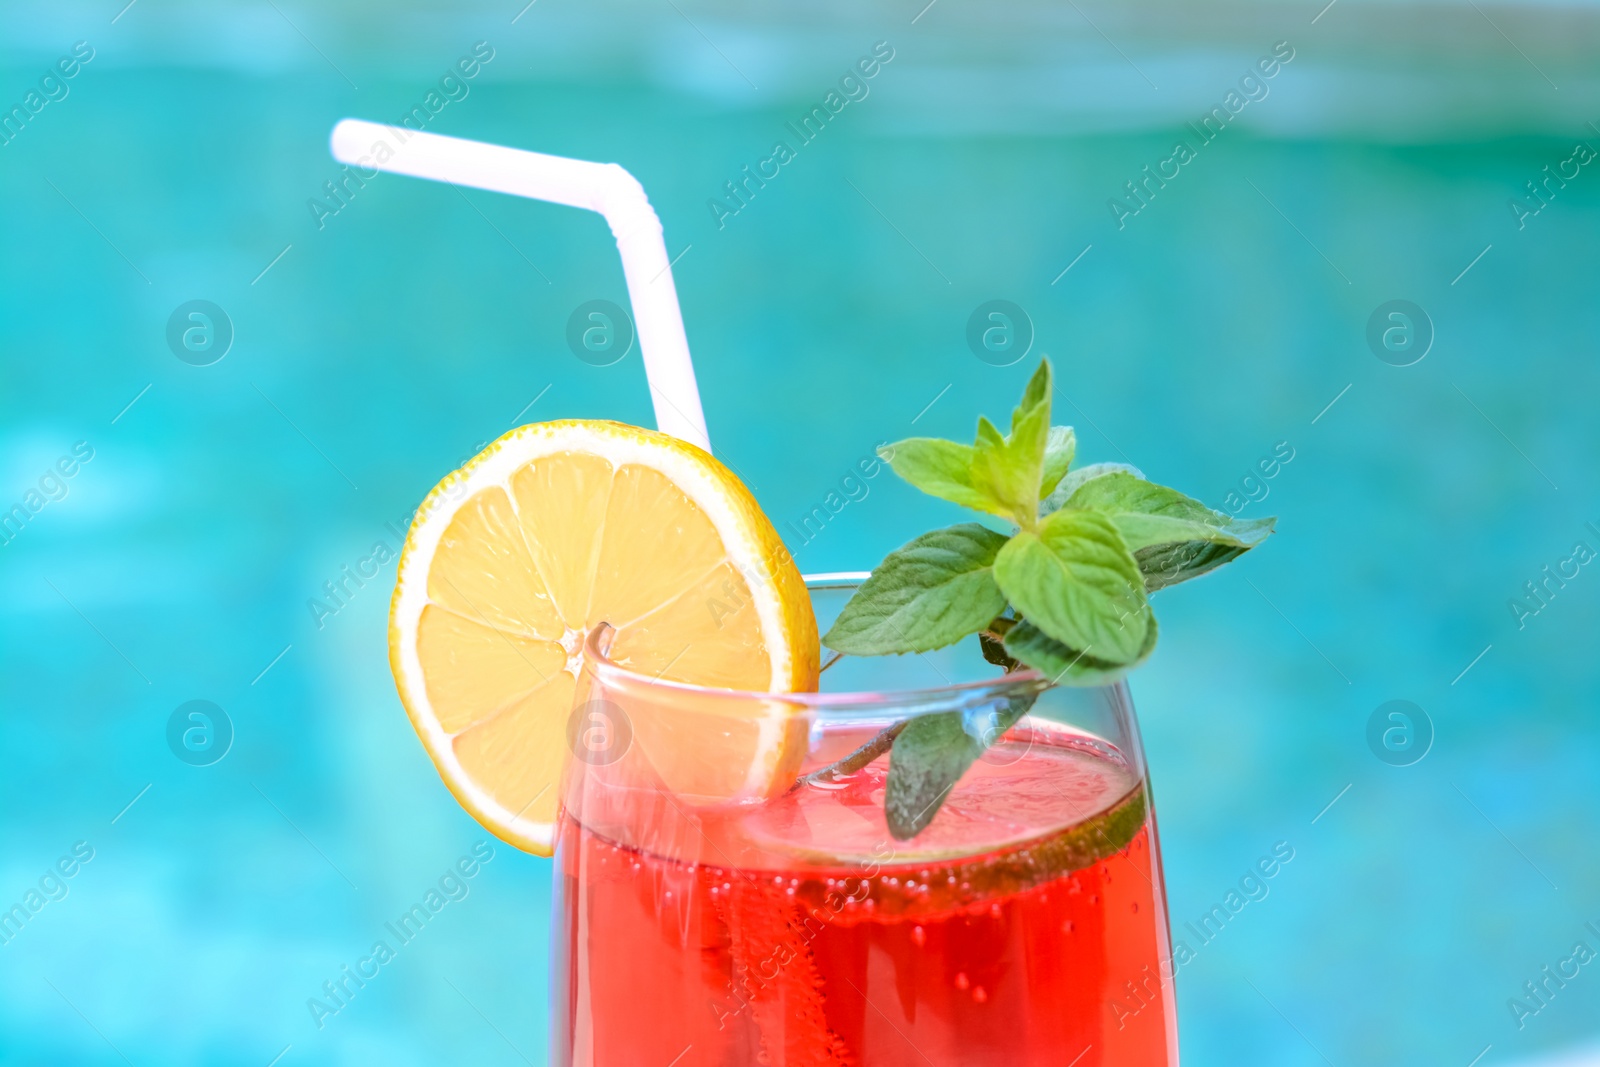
(1025, 925)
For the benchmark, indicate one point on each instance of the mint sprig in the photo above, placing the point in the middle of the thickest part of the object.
(1064, 592)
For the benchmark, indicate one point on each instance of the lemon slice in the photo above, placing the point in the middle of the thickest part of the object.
(552, 530)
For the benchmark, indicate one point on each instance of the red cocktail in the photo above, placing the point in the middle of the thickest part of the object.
(1025, 926)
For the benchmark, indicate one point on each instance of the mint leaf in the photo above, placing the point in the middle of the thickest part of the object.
(997, 473)
(1169, 564)
(932, 753)
(1057, 497)
(1059, 449)
(988, 436)
(939, 468)
(1173, 537)
(1125, 493)
(1036, 394)
(1075, 579)
(1009, 470)
(1064, 666)
(927, 594)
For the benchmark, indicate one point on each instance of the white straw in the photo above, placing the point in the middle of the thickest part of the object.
(602, 187)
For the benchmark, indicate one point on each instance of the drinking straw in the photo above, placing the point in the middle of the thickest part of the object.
(602, 187)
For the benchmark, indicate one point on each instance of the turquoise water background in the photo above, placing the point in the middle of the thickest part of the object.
(375, 352)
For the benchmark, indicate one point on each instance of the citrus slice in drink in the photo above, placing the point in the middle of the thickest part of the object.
(551, 531)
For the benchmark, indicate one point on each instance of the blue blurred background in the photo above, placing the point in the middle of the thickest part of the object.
(374, 351)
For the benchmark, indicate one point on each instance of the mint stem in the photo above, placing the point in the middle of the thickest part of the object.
(884, 740)
(856, 760)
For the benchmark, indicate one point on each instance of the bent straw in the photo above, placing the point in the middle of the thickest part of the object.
(602, 187)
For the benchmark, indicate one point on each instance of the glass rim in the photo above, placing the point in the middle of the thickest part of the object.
(613, 675)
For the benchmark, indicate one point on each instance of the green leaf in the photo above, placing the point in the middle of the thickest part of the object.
(1173, 537)
(1009, 469)
(1169, 564)
(988, 436)
(1075, 579)
(1036, 394)
(1065, 666)
(939, 468)
(1068, 485)
(997, 473)
(1059, 448)
(932, 753)
(1126, 493)
(927, 594)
